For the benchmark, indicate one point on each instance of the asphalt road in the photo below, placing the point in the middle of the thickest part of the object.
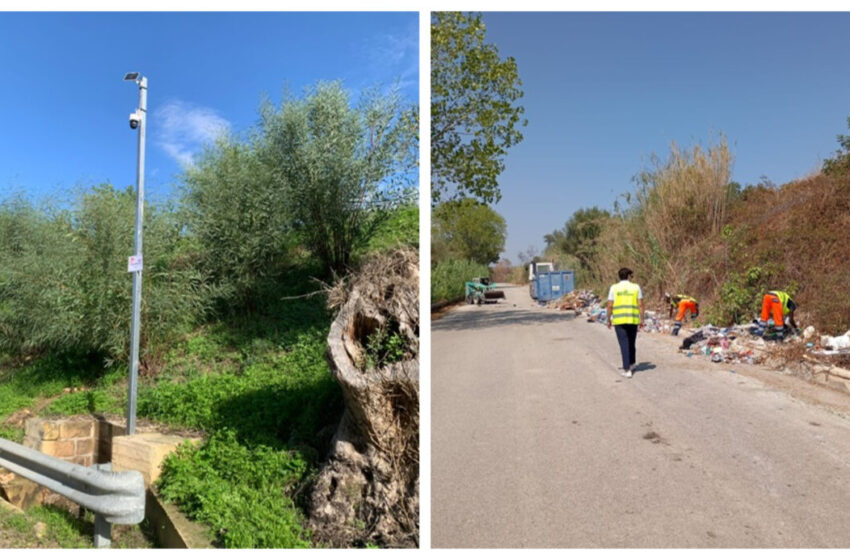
(537, 441)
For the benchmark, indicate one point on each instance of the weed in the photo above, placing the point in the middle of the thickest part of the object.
(383, 347)
(241, 492)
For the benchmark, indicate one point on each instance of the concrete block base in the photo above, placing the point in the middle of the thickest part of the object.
(144, 453)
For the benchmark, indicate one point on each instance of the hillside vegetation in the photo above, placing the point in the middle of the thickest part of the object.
(234, 314)
(688, 228)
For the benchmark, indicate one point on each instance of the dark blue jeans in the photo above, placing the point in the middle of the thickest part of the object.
(626, 336)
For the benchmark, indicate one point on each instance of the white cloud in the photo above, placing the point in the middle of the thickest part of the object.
(183, 128)
(396, 55)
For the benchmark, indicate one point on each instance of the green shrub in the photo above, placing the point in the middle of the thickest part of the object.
(64, 284)
(384, 346)
(400, 228)
(449, 277)
(85, 402)
(739, 295)
(242, 493)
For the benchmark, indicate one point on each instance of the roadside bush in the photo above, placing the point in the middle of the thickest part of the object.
(64, 284)
(448, 278)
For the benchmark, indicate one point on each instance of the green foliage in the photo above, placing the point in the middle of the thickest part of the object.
(467, 229)
(343, 165)
(400, 228)
(318, 171)
(261, 387)
(234, 207)
(475, 117)
(241, 492)
(579, 237)
(840, 164)
(383, 347)
(46, 377)
(739, 296)
(448, 278)
(64, 285)
(86, 402)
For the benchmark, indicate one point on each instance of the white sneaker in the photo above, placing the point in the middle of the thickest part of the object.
(627, 373)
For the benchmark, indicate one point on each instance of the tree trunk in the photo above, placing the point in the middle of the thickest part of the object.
(368, 491)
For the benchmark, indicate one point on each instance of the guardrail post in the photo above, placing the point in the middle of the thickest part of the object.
(113, 497)
(102, 527)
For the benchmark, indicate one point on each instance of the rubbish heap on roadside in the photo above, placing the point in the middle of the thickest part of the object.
(576, 300)
(735, 344)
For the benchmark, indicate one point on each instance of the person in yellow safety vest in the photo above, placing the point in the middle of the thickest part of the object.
(625, 312)
(682, 304)
(779, 305)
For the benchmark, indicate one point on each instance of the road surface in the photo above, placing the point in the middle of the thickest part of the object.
(538, 441)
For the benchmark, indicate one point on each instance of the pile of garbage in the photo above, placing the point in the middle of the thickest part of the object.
(735, 344)
(575, 301)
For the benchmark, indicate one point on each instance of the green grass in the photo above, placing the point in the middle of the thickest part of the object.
(54, 527)
(270, 406)
(257, 384)
(44, 377)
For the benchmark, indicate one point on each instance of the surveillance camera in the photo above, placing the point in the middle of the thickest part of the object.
(135, 119)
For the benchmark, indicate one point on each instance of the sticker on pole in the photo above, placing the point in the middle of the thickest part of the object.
(134, 263)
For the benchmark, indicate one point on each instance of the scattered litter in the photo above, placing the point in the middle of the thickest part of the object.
(836, 342)
(737, 344)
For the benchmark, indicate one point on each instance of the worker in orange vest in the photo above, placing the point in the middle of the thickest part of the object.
(682, 304)
(778, 305)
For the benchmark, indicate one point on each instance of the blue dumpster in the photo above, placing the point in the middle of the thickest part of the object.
(553, 285)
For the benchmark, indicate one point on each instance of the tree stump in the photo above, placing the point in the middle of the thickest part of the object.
(368, 491)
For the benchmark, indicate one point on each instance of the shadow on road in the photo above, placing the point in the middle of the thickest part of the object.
(484, 318)
(643, 366)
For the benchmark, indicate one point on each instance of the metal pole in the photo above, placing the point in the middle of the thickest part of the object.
(137, 275)
(102, 527)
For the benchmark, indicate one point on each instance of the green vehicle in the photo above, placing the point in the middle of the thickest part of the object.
(480, 290)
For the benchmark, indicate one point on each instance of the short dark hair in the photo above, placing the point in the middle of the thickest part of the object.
(624, 273)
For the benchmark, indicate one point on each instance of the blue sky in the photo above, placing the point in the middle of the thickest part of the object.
(605, 91)
(64, 107)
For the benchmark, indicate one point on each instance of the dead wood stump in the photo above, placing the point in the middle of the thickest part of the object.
(368, 491)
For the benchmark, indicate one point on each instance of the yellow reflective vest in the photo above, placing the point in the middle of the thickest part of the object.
(625, 310)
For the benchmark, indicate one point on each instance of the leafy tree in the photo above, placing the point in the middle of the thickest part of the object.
(235, 207)
(579, 235)
(317, 172)
(344, 167)
(475, 117)
(467, 229)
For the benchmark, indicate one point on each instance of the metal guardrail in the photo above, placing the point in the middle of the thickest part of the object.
(113, 497)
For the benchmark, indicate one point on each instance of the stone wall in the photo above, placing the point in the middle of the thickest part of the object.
(70, 439)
